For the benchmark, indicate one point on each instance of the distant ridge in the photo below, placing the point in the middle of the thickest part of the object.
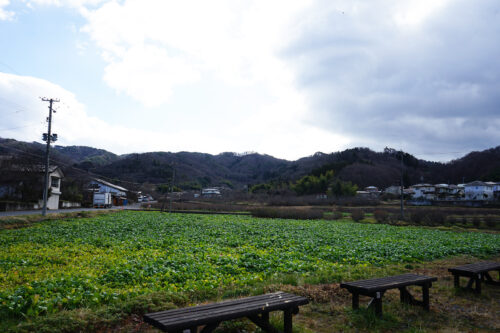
(361, 166)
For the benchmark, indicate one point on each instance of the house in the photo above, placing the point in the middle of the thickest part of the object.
(478, 190)
(449, 192)
(441, 190)
(455, 192)
(408, 192)
(55, 178)
(496, 190)
(394, 189)
(210, 192)
(363, 194)
(102, 186)
(24, 183)
(118, 193)
(371, 189)
(424, 192)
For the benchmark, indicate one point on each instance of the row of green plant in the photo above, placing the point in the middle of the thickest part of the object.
(85, 263)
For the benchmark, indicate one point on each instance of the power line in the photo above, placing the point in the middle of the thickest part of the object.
(9, 67)
(13, 128)
(13, 112)
(18, 106)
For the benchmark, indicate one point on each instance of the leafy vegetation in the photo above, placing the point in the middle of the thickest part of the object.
(85, 263)
(324, 183)
(311, 184)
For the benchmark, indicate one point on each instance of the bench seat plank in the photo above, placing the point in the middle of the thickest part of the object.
(385, 283)
(178, 319)
(221, 314)
(475, 268)
(239, 304)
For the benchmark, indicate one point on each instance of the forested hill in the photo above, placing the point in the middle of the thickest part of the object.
(361, 166)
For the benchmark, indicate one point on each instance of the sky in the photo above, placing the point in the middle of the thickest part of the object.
(284, 78)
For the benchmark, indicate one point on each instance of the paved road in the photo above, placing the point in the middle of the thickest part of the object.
(69, 210)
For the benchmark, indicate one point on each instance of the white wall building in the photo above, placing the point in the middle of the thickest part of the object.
(210, 192)
(102, 186)
(495, 186)
(478, 190)
(55, 177)
(496, 190)
(394, 189)
(424, 192)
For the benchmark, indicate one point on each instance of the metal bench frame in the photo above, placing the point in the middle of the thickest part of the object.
(477, 273)
(209, 316)
(376, 289)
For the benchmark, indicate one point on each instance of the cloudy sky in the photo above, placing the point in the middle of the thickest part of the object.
(285, 78)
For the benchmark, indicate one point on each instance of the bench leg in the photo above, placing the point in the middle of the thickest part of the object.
(210, 328)
(470, 283)
(193, 329)
(406, 297)
(263, 322)
(376, 303)
(456, 280)
(478, 283)
(355, 301)
(189, 330)
(489, 280)
(287, 317)
(425, 296)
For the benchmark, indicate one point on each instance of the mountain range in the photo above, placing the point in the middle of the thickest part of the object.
(361, 166)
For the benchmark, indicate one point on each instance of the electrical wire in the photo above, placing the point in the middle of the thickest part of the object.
(16, 105)
(12, 128)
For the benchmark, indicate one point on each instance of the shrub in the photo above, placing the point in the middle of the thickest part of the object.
(288, 213)
(490, 221)
(357, 215)
(337, 215)
(452, 220)
(476, 221)
(417, 216)
(428, 217)
(393, 218)
(464, 220)
(380, 216)
(436, 217)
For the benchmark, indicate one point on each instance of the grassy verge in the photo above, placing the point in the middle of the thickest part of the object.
(23, 221)
(329, 310)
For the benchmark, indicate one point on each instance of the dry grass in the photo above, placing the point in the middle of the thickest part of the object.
(23, 221)
(451, 310)
(330, 307)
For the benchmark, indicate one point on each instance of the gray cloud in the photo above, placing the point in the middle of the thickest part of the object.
(430, 88)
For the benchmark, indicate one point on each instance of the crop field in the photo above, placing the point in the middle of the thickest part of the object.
(89, 262)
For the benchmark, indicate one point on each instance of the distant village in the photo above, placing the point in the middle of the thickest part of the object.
(470, 194)
(101, 193)
(21, 190)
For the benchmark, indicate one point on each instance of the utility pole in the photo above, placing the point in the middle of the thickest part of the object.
(48, 137)
(402, 187)
(172, 188)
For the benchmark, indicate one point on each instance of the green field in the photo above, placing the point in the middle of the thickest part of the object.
(87, 262)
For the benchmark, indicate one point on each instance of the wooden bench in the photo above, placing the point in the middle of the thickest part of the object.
(477, 273)
(255, 308)
(376, 288)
